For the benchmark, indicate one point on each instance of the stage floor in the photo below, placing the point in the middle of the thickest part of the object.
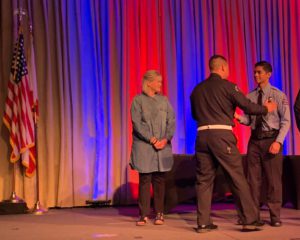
(119, 223)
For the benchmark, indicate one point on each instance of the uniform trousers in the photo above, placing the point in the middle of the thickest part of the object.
(214, 148)
(262, 165)
(158, 184)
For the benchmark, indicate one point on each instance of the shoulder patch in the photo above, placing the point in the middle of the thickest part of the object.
(278, 94)
(285, 101)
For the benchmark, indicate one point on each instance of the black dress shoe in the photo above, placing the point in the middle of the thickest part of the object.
(259, 223)
(255, 226)
(276, 223)
(206, 228)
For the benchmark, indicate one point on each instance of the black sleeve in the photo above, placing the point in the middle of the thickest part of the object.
(245, 104)
(192, 107)
(297, 110)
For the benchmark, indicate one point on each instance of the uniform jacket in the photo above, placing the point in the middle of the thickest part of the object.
(214, 101)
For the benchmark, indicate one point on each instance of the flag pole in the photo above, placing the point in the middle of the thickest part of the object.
(38, 209)
(13, 197)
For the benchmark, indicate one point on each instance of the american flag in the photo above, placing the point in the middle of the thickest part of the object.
(18, 116)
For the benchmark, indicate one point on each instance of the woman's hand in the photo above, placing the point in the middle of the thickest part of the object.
(160, 144)
(153, 140)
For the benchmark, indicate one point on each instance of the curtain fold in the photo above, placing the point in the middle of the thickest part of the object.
(90, 58)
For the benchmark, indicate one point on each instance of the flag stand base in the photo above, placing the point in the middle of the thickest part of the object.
(98, 203)
(14, 205)
(14, 199)
(38, 209)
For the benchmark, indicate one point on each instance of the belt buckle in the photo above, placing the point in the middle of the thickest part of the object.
(259, 135)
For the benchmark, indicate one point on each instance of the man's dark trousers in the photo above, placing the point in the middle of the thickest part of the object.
(218, 147)
(263, 165)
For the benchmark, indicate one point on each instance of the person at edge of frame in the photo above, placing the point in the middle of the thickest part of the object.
(297, 110)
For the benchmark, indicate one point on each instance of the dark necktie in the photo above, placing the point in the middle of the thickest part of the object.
(259, 119)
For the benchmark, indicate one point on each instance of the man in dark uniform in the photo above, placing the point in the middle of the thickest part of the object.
(213, 103)
(297, 110)
(264, 155)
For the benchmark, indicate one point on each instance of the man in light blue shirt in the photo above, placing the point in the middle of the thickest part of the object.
(264, 155)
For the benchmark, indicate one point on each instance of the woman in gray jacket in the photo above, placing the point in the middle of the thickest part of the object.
(153, 123)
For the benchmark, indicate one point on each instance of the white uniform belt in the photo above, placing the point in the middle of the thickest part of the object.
(226, 127)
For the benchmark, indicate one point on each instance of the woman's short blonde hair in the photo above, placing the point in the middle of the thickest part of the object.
(149, 76)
